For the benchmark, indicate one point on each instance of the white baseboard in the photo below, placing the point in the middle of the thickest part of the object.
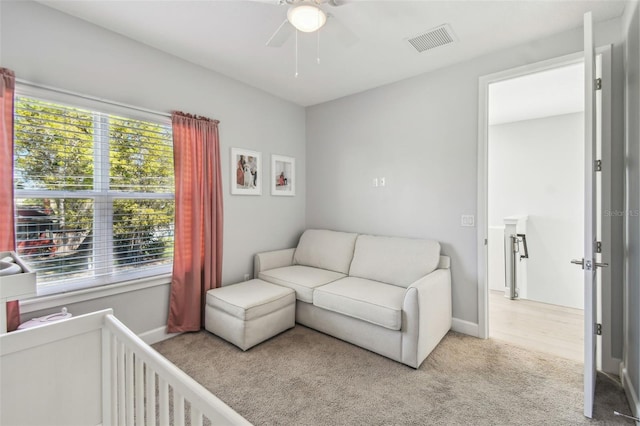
(465, 327)
(156, 335)
(632, 397)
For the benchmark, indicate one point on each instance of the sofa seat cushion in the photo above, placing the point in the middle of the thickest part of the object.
(251, 299)
(371, 301)
(302, 279)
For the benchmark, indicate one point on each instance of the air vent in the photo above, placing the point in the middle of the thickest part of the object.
(433, 38)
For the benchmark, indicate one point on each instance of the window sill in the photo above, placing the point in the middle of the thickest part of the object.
(54, 300)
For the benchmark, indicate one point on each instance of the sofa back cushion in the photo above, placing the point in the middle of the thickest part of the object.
(325, 249)
(397, 261)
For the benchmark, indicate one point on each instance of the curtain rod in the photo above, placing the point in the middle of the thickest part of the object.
(91, 98)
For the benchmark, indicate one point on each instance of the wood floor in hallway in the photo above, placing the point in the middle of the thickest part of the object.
(556, 330)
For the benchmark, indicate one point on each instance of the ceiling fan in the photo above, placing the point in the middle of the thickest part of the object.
(309, 16)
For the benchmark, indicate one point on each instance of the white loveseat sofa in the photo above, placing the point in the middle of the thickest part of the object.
(389, 295)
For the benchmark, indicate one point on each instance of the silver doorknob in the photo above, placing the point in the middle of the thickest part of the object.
(578, 262)
(601, 265)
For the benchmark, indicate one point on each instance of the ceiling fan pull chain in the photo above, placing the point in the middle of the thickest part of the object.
(296, 75)
(318, 49)
(318, 53)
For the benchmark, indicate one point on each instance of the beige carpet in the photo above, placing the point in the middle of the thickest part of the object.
(303, 377)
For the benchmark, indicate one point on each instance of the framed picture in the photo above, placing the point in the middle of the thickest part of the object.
(246, 172)
(283, 175)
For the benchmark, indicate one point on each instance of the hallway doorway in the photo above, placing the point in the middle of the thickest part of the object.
(535, 192)
(533, 291)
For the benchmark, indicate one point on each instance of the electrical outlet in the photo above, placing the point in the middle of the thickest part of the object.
(247, 276)
(467, 220)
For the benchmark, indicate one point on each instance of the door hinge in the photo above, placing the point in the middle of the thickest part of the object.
(598, 84)
(598, 246)
(597, 165)
(598, 329)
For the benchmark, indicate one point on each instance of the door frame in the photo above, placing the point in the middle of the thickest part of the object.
(606, 362)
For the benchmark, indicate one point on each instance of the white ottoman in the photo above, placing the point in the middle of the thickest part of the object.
(251, 312)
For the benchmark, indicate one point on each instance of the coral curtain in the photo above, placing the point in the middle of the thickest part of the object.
(197, 257)
(7, 226)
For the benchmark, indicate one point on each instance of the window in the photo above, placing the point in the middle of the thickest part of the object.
(93, 193)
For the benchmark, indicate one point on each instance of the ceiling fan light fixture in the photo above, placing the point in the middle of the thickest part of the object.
(306, 17)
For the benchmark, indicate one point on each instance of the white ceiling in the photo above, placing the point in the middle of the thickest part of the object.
(229, 37)
(544, 94)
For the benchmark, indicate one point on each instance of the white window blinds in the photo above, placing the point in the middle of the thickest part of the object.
(93, 194)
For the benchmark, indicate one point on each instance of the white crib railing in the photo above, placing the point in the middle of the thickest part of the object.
(91, 369)
(129, 388)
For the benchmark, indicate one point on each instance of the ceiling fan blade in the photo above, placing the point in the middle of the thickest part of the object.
(281, 35)
(344, 34)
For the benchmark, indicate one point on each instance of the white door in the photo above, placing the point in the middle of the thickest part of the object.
(589, 260)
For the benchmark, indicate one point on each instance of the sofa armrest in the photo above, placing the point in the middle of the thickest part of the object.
(271, 260)
(426, 315)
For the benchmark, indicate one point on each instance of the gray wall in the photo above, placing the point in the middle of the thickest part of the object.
(631, 32)
(47, 47)
(422, 135)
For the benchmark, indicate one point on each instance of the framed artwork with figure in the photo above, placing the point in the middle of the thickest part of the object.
(283, 175)
(246, 172)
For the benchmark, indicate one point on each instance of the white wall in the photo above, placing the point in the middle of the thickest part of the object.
(422, 135)
(631, 30)
(47, 47)
(536, 168)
